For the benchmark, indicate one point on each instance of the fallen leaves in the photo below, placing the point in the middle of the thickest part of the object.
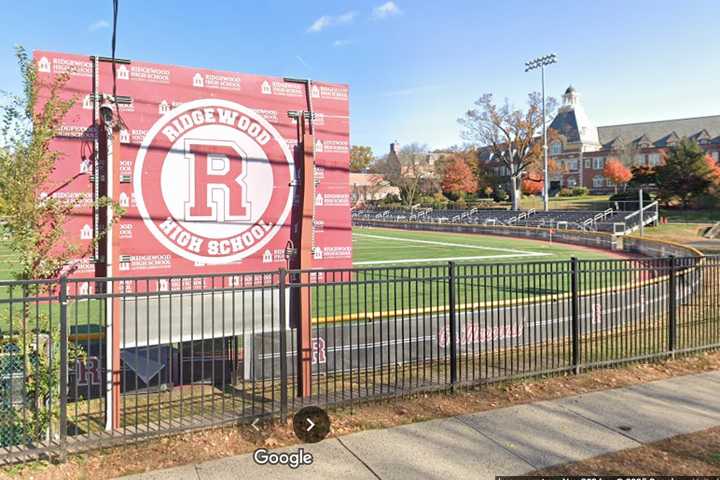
(206, 445)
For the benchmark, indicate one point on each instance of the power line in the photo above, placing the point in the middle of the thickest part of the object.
(112, 47)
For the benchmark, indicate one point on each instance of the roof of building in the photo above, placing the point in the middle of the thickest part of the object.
(572, 122)
(660, 132)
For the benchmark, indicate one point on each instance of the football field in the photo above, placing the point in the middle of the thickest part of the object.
(407, 271)
(380, 246)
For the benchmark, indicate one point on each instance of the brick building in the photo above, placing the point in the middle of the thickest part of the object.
(580, 150)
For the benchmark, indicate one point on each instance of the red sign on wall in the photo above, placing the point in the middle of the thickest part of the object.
(209, 161)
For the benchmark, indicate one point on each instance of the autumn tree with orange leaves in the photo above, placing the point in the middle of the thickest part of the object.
(617, 172)
(459, 178)
(532, 185)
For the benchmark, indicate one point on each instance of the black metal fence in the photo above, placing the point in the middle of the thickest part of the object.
(89, 362)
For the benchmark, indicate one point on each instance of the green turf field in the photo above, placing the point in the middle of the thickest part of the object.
(383, 246)
(400, 270)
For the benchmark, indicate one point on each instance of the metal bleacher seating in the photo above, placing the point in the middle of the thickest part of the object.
(609, 220)
(572, 219)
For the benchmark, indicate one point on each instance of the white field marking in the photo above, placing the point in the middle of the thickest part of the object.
(448, 244)
(448, 259)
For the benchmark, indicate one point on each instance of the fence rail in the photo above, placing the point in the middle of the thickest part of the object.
(206, 350)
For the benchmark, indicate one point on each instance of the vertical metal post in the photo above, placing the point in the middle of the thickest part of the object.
(283, 346)
(453, 324)
(642, 220)
(546, 183)
(63, 367)
(305, 252)
(575, 314)
(672, 307)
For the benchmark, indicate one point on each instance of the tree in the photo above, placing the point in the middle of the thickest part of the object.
(685, 175)
(509, 133)
(406, 170)
(34, 225)
(34, 221)
(532, 185)
(360, 158)
(617, 172)
(458, 178)
(713, 167)
(642, 175)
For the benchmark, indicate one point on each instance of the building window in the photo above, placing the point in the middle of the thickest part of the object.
(572, 165)
(555, 148)
(609, 183)
(571, 181)
(598, 181)
(587, 163)
(598, 163)
(716, 156)
(654, 159)
(639, 159)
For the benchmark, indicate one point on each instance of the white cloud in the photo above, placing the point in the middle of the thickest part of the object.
(387, 9)
(330, 21)
(98, 25)
(340, 43)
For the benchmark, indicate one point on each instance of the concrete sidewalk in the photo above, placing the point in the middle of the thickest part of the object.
(507, 441)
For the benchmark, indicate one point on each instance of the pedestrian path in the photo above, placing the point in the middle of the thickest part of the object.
(507, 441)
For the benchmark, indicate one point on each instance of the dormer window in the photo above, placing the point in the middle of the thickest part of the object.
(555, 148)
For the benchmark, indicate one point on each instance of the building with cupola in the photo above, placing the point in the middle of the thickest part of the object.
(578, 149)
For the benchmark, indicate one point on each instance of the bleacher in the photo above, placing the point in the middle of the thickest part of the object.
(609, 220)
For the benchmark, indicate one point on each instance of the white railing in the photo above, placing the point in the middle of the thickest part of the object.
(650, 214)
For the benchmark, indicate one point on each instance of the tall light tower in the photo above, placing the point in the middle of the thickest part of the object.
(541, 63)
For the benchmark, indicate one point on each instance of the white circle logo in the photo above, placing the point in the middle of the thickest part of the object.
(212, 180)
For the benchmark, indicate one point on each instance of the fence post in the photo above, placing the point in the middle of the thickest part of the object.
(672, 306)
(63, 367)
(574, 314)
(453, 324)
(283, 346)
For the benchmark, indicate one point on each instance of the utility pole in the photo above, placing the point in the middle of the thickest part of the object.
(642, 220)
(541, 63)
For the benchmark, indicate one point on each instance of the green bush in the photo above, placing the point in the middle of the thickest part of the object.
(565, 192)
(706, 201)
(427, 201)
(580, 191)
(500, 195)
(391, 199)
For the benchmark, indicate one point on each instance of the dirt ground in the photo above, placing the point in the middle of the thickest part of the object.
(692, 454)
(211, 444)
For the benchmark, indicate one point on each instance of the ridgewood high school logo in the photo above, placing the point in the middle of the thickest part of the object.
(212, 181)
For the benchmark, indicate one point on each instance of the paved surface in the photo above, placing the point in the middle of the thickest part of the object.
(507, 441)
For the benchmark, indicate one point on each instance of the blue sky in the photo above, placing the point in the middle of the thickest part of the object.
(413, 66)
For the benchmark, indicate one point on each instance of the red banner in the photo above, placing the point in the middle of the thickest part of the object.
(208, 166)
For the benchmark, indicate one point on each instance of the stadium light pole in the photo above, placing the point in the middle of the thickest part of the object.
(541, 63)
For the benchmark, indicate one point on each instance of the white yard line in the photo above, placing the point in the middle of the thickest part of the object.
(448, 259)
(447, 244)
